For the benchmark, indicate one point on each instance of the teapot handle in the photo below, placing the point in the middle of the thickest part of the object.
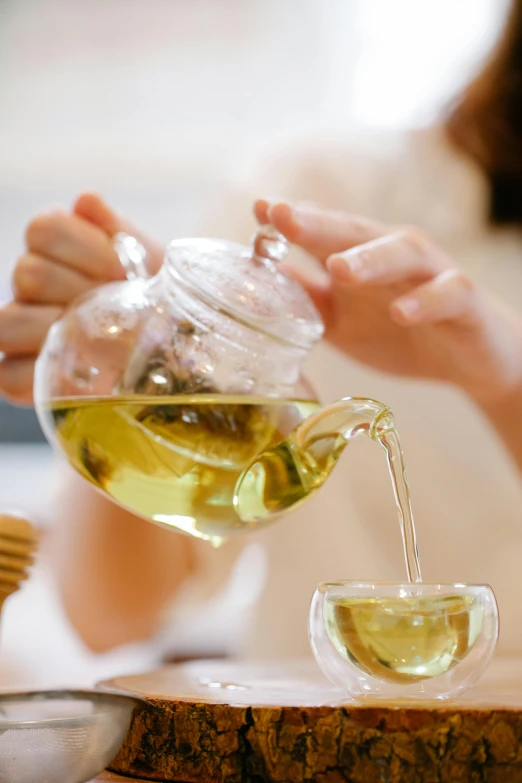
(132, 256)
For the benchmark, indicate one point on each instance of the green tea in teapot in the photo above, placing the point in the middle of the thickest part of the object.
(176, 459)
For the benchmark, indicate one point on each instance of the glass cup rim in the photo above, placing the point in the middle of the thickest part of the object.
(326, 586)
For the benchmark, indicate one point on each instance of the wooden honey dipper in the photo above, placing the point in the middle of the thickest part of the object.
(18, 543)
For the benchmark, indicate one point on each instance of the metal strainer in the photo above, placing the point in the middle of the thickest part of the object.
(65, 736)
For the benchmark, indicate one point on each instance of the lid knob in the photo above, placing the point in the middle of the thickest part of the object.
(269, 246)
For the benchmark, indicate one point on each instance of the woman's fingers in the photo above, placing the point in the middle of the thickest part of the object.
(318, 231)
(16, 379)
(405, 255)
(23, 328)
(261, 207)
(93, 209)
(450, 296)
(39, 279)
(75, 243)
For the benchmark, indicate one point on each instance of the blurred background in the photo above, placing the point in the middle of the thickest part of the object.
(154, 103)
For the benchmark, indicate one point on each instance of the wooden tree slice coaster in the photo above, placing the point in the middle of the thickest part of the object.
(224, 722)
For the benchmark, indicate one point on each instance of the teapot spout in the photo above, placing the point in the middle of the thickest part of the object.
(346, 418)
(286, 475)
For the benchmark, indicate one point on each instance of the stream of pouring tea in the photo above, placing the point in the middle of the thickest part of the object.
(391, 444)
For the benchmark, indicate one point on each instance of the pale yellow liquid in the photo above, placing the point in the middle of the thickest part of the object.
(212, 465)
(404, 640)
(174, 460)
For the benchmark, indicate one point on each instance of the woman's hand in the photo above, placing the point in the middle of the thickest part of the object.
(67, 253)
(393, 300)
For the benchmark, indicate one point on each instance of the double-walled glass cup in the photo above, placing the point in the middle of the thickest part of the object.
(393, 642)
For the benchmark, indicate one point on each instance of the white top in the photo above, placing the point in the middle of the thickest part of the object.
(466, 493)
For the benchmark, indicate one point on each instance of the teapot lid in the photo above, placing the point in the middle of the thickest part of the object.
(248, 284)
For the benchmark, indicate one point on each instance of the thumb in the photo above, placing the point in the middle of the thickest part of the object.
(95, 210)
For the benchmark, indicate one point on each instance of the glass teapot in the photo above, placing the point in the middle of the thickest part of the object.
(164, 391)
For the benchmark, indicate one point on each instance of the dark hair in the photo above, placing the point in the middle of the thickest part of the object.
(486, 122)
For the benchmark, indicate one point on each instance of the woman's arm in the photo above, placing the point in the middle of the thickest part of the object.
(116, 573)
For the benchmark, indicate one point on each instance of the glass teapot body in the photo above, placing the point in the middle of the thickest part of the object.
(161, 391)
